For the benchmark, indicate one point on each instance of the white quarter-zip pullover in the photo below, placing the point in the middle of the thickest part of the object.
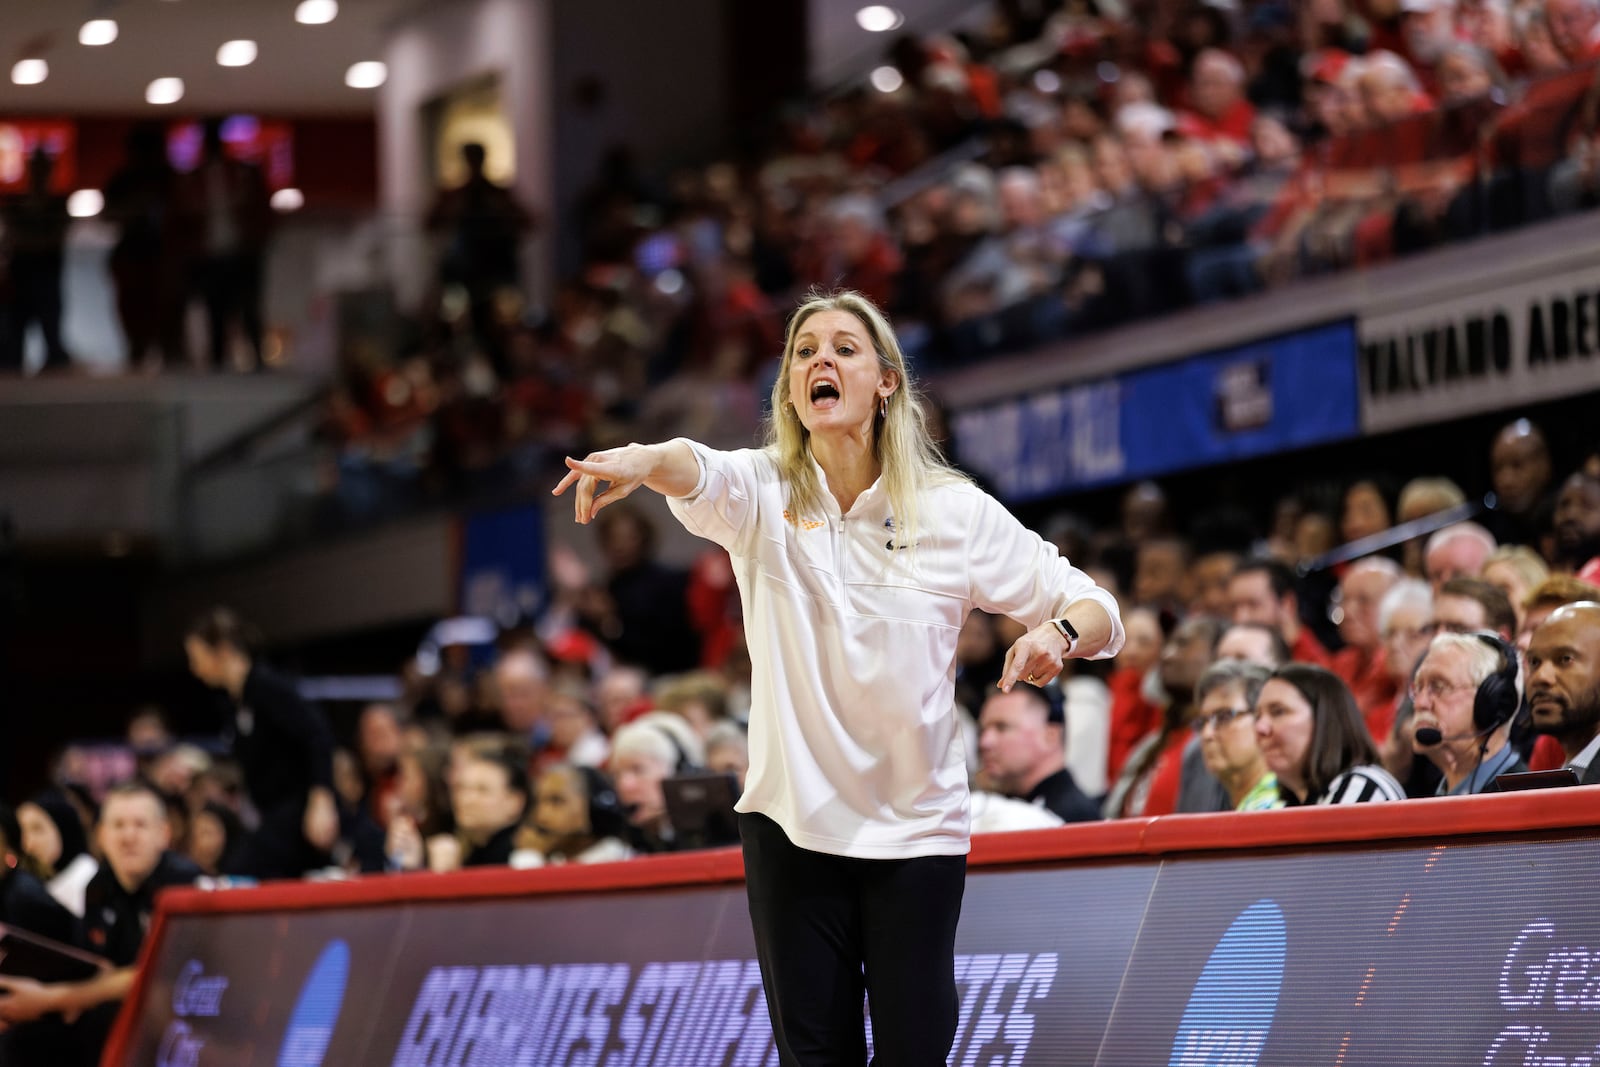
(855, 749)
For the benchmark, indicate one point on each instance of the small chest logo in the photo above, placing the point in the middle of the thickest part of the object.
(804, 524)
(888, 524)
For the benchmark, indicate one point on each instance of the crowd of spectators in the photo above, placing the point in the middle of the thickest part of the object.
(1427, 668)
(1056, 168)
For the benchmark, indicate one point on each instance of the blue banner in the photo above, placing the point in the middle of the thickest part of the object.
(503, 564)
(1270, 396)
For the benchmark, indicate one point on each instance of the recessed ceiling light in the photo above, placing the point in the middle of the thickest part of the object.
(237, 53)
(85, 203)
(30, 71)
(368, 74)
(879, 18)
(886, 79)
(97, 32)
(316, 12)
(164, 91)
(287, 200)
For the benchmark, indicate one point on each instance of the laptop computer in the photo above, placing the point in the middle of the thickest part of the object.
(700, 808)
(1551, 779)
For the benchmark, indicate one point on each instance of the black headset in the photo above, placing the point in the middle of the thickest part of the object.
(607, 816)
(1497, 701)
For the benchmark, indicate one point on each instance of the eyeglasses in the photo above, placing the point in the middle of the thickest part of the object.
(1401, 633)
(1436, 689)
(1217, 719)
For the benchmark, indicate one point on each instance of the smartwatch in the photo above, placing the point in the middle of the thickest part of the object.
(1064, 627)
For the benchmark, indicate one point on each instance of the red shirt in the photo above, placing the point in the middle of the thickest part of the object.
(1368, 679)
(1133, 718)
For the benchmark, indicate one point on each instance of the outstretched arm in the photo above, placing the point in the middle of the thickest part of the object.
(669, 468)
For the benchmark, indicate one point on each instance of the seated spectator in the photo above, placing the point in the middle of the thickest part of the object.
(646, 752)
(1161, 574)
(1564, 685)
(575, 735)
(1021, 743)
(489, 796)
(421, 796)
(576, 818)
(1515, 570)
(700, 697)
(53, 836)
(378, 743)
(1546, 597)
(1467, 605)
(619, 693)
(1200, 790)
(1263, 591)
(1457, 551)
(1521, 474)
(215, 832)
(1227, 694)
(26, 905)
(1577, 523)
(1419, 498)
(1360, 663)
(1466, 695)
(1367, 510)
(1312, 737)
(1150, 781)
(1220, 111)
(1405, 619)
(728, 751)
(1207, 583)
(1254, 642)
(118, 905)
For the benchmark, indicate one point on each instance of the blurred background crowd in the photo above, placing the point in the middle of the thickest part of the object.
(1040, 172)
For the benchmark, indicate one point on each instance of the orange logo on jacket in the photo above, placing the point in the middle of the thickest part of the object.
(808, 524)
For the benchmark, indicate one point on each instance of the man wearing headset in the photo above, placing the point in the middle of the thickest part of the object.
(1466, 693)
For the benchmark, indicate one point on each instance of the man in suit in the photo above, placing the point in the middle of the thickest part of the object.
(1564, 684)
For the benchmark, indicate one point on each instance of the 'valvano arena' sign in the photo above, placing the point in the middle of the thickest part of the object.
(1480, 351)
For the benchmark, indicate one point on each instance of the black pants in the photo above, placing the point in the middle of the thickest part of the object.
(829, 928)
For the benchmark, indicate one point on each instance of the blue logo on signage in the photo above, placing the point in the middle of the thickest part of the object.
(315, 1013)
(1236, 996)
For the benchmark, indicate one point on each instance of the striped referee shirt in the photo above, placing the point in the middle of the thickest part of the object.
(1360, 785)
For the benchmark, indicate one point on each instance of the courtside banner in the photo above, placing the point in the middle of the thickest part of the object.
(1278, 394)
(1491, 344)
(1454, 931)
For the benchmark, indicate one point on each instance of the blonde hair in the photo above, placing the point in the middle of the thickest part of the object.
(910, 461)
(1529, 565)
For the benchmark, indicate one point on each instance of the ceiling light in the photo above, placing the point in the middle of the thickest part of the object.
(879, 18)
(237, 53)
(316, 12)
(30, 71)
(164, 91)
(368, 74)
(886, 79)
(287, 200)
(97, 32)
(85, 203)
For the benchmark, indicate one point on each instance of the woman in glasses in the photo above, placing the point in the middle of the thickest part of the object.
(1313, 738)
(1226, 696)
